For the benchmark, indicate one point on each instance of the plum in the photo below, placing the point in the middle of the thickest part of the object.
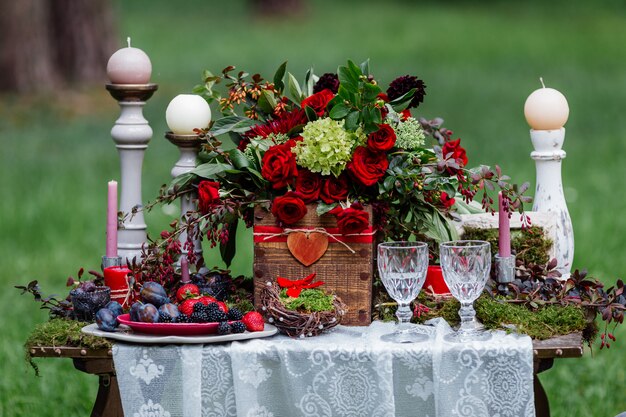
(171, 310)
(115, 307)
(148, 313)
(154, 293)
(134, 311)
(106, 320)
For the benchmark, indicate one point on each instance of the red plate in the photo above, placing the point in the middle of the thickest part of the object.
(169, 329)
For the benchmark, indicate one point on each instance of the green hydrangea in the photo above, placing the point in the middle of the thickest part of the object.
(409, 134)
(326, 147)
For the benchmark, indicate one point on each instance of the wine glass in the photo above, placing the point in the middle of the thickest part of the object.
(402, 269)
(466, 265)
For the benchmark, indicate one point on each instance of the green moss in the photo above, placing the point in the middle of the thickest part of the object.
(530, 245)
(310, 300)
(61, 332)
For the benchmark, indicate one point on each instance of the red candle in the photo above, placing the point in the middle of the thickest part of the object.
(184, 269)
(111, 250)
(504, 229)
(116, 278)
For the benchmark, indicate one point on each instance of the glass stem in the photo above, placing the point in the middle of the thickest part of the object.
(404, 313)
(468, 316)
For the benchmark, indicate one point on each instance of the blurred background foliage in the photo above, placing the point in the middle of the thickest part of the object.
(479, 59)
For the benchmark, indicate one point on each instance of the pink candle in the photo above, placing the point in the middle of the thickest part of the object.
(504, 229)
(111, 251)
(184, 268)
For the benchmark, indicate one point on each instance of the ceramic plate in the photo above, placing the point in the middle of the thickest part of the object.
(169, 329)
(126, 334)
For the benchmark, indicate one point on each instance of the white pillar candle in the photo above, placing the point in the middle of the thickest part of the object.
(187, 112)
(129, 66)
(546, 109)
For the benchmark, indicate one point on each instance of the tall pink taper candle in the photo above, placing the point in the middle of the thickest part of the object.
(111, 251)
(184, 268)
(504, 230)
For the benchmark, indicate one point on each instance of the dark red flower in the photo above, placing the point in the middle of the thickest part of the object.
(383, 139)
(453, 150)
(402, 85)
(289, 208)
(327, 81)
(318, 101)
(446, 200)
(352, 220)
(208, 195)
(279, 166)
(334, 189)
(308, 185)
(368, 167)
(283, 124)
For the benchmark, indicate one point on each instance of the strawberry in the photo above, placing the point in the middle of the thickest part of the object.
(253, 321)
(186, 307)
(222, 305)
(187, 291)
(206, 300)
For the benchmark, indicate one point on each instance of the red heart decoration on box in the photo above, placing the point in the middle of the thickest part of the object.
(307, 248)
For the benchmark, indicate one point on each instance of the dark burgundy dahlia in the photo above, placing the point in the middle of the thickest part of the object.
(328, 80)
(403, 85)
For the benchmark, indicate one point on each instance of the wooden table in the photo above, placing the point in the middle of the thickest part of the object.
(108, 402)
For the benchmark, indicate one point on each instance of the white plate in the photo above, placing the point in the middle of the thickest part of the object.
(125, 334)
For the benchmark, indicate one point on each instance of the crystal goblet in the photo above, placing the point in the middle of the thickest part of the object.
(402, 268)
(466, 265)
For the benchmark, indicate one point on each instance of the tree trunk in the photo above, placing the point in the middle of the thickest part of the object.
(47, 44)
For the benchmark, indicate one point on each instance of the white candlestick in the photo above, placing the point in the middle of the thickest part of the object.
(129, 66)
(546, 109)
(187, 112)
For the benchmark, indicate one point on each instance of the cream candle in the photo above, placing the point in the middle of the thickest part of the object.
(187, 112)
(129, 66)
(546, 109)
(111, 246)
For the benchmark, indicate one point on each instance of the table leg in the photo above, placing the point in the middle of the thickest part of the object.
(108, 402)
(542, 406)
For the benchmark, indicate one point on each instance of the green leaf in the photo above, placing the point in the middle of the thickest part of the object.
(449, 189)
(388, 183)
(228, 250)
(309, 82)
(402, 102)
(323, 208)
(343, 93)
(278, 77)
(352, 121)
(355, 70)
(267, 101)
(371, 92)
(310, 113)
(348, 80)
(238, 158)
(294, 88)
(339, 111)
(210, 170)
(232, 124)
(365, 67)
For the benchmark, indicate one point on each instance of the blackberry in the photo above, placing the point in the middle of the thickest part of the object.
(198, 307)
(165, 318)
(238, 327)
(235, 314)
(183, 318)
(216, 315)
(223, 328)
(213, 306)
(199, 316)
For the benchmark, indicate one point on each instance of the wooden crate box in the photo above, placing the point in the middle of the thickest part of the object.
(347, 274)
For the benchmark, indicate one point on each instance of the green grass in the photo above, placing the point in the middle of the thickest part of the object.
(480, 61)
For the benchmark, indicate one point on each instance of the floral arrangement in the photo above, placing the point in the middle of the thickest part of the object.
(338, 141)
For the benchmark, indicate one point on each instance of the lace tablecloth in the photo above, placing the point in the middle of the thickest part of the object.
(349, 372)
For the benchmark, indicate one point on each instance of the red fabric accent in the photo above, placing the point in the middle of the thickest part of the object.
(262, 233)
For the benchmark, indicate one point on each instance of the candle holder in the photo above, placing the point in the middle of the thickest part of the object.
(505, 269)
(549, 195)
(189, 147)
(108, 261)
(131, 134)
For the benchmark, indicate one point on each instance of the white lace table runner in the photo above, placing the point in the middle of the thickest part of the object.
(349, 373)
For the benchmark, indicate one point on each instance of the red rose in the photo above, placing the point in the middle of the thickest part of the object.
(454, 151)
(318, 101)
(208, 195)
(279, 166)
(383, 139)
(308, 185)
(289, 208)
(445, 200)
(334, 189)
(367, 166)
(352, 220)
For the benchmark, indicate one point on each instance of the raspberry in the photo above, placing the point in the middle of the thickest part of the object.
(238, 327)
(223, 328)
